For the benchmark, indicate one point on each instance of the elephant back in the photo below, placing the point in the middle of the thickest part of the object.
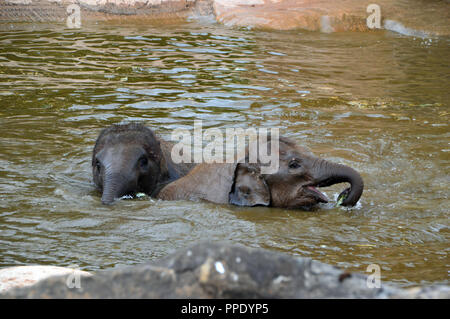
(210, 182)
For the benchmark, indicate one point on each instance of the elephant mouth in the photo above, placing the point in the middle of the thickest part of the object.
(314, 192)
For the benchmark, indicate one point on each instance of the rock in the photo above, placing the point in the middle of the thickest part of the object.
(212, 270)
(420, 18)
(119, 11)
(23, 276)
(423, 17)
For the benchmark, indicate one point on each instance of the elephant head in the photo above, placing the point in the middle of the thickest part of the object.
(249, 187)
(129, 158)
(236, 183)
(299, 174)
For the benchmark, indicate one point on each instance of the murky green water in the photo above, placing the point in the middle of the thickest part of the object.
(378, 102)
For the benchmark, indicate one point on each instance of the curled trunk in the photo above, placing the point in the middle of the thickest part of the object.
(328, 174)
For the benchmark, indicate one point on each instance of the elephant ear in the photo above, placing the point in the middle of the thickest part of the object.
(216, 183)
(249, 187)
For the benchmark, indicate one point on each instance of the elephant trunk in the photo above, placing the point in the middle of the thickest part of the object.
(327, 174)
(115, 185)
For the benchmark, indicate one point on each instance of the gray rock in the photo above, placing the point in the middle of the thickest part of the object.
(212, 270)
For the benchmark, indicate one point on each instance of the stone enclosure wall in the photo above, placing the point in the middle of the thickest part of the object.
(425, 17)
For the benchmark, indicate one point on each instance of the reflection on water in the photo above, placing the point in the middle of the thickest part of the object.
(377, 102)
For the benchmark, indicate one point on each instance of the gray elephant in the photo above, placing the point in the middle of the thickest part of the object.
(129, 159)
(299, 174)
(238, 184)
(293, 185)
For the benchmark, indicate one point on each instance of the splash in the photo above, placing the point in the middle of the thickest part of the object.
(395, 26)
(325, 24)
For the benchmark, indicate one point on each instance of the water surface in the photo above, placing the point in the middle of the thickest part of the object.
(378, 102)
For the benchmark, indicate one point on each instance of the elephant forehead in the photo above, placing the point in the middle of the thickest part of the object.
(289, 148)
(298, 152)
(121, 152)
(127, 136)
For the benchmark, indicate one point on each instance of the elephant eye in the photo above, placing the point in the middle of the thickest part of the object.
(143, 162)
(294, 164)
(98, 165)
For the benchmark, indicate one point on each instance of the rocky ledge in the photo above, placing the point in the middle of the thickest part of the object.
(212, 270)
(421, 18)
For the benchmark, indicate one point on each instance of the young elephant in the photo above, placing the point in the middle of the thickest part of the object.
(130, 158)
(299, 174)
(238, 184)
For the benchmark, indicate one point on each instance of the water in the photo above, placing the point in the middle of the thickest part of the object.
(378, 102)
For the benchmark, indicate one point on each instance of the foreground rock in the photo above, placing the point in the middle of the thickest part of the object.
(223, 271)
